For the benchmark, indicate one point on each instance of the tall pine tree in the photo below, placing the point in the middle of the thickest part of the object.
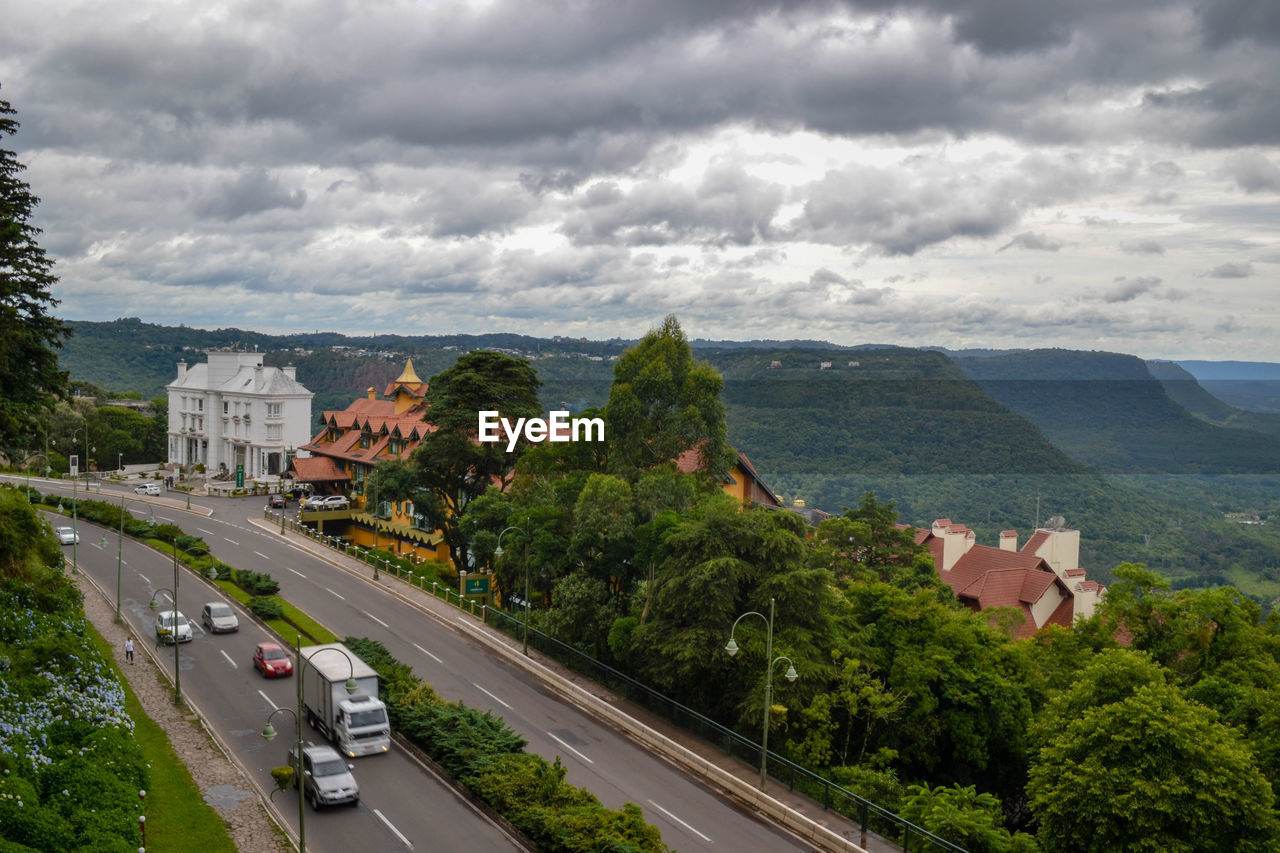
(30, 336)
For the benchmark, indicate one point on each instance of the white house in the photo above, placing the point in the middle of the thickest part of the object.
(234, 411)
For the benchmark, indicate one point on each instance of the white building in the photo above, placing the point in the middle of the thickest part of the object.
(234, 411)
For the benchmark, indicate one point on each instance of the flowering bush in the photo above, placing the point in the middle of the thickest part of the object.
(69, 769)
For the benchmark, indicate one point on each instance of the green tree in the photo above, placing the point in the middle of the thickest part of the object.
(1151, 770)
(603, 533)
(960, 815)
(29, 336)
(454, 468)
(662, 403)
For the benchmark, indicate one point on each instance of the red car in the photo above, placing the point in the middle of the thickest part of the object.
(272, 661)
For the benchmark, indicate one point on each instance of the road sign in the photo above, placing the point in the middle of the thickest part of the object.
(239, 476)
(476, 586)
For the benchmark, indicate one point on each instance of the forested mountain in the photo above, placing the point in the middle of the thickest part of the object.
(1109, 412)
(906, 424)
(1186, 391)
(1250, 385)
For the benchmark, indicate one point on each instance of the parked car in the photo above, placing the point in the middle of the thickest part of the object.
(147, 489)
(330, 502)
(218, 617)
(275, 502)
(165, 626)
(68, 536)
(271, 661)
(297, 493)
(325, 778)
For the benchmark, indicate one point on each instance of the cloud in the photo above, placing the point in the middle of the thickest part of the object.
(1231, 270)
(251, 191)
(1254, 173)
(1142, 247)
(1032, 242)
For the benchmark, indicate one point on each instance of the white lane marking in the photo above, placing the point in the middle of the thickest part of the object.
(229, 660)
(331, 592)
(273, 705)
(262, 555)
(298, 573)
(206, 532)
(375, 618)
(232, 541)
(144, 577)
(490, 695)
(427, 653)
(679, 821)
(571, 749)
(391, 827)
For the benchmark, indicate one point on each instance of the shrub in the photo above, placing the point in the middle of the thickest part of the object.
(255, 583)
(265, 607)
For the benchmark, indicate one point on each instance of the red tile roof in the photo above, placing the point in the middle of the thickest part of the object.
(317, 469)
(1035, 541)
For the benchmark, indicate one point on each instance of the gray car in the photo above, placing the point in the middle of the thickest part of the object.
(326, 778)
(218, 617)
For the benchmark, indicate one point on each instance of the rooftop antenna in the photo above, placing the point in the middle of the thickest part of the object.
(1037, 527)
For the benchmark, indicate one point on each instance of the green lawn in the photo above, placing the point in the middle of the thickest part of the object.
(178, 818)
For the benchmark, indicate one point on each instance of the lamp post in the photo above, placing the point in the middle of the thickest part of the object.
(44, 457)
(791, 675)
(269, 733)
(177, 673)
(75, 515)
(497, 552)
(120, 552)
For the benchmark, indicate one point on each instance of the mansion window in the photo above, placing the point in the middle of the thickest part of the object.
(274, 410)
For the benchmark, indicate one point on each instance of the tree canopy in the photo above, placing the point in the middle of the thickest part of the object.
(29, 335)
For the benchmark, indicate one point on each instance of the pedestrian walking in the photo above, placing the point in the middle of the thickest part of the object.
(128, 649)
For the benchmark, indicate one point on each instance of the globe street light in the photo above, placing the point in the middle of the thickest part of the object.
(497, 552)
(120, 549)
(791, 675)
(269, 732)
(177, 673)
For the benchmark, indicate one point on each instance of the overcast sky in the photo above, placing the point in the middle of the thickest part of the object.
(1092, 174)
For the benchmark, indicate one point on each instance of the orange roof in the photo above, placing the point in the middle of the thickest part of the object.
(317, 469)
(1037, 539)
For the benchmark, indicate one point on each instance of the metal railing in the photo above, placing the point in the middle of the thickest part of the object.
(869, 816)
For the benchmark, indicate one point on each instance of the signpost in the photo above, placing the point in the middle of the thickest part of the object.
(240, 476)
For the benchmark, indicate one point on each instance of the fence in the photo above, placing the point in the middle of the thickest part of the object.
(870, 817)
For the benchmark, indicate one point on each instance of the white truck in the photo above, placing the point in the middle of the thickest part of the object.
(356, 723)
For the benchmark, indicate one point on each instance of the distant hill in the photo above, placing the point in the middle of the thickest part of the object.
(1250, 385)
(1184, 389)
(1109, 412)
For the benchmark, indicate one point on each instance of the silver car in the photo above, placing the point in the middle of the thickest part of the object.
(68, 536)
(165, 629)
(326, 778)
(218, 617)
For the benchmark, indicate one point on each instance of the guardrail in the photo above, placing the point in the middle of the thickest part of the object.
(869, 816)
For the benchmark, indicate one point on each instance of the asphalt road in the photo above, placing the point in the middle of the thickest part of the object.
(395, 793)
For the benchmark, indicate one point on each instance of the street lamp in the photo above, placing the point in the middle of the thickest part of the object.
(791, 675)
(497, 552)
(269, 732)
(44, 457)
(120, 551)
(177, 673)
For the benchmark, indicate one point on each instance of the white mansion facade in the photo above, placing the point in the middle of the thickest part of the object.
(234, 411)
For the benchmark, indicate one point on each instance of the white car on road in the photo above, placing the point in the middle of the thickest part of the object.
(68, 536)
(147, 489)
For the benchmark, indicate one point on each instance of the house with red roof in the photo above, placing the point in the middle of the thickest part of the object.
(743, 482)
(1042, 579)
(350, 444)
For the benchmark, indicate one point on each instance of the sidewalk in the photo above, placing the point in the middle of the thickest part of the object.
(748, 776)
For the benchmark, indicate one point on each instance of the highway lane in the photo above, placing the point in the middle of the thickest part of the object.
(402, 808)
(597, 757)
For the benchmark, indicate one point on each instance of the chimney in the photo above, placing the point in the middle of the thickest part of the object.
(798, 503)
(373, 395)
(257, 375)
(290, 371)
(1008, 540)
(182, 368)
